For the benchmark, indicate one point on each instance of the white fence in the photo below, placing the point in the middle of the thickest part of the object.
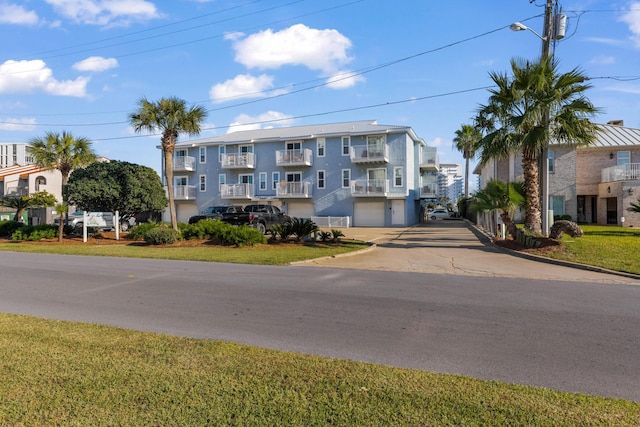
(332, 221)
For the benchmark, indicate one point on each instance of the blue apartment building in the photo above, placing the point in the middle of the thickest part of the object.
(376, 175)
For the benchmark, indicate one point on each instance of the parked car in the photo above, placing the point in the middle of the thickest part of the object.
(438, 214)
(97, 220)
(260, 217)
(214, 212)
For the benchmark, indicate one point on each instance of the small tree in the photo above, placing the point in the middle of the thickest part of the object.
(117, 186)
(20, 203)
(635, 207)
(61, 209)
(502, 196)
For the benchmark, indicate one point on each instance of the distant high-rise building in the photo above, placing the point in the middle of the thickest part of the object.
(14, 153)
(450, 181)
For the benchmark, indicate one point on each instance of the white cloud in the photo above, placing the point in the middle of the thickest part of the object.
(16, 14)
(632, 18)
(323, 50)
(29, 76)
(11, 124)
(603, 60)
(243, 86)
(96, 64)
(625, 88)
(263, 121)
(604, 40)
(344, 80)
(106, 12)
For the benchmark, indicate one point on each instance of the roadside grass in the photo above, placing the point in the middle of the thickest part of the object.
(276, 254)
(62, 373)
(614, 248)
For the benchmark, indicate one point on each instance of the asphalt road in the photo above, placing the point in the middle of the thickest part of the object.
(566, 335)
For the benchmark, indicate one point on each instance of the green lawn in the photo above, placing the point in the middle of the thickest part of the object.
(276, 254)
(68, 374)
(614, 248)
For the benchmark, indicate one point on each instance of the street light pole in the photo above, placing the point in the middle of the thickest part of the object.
(544, 161)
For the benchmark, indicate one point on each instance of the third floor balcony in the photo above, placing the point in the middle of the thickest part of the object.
(184, 163)
(238, 161)
(371, 153)
(297, 157)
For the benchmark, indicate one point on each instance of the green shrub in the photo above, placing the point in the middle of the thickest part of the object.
(138, 232)
(7, 228)
(35, 233)
(205, 229)
(281, 231)
(161, 236)
(240, 236)
(325, 236)
(337, 234)
(302, 227)
(562, 217)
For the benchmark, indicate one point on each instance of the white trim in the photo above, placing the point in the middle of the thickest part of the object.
(275, 181)
(342, 178)
(202, 182)
(321, 142)
(395, 168)
(346, 139)
(222, 179)
(262, 175)
(324, 179)
(202, 154)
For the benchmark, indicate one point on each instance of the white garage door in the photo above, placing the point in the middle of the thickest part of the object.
(300, 210)
(368, 214)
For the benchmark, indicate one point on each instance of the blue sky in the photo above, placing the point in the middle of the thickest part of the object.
(82, 65)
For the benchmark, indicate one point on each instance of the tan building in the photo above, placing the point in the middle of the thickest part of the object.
(592, 185)
(22, 180)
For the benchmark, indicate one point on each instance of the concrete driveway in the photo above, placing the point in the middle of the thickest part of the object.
(454, 247)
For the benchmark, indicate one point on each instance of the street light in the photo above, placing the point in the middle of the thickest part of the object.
(519, 26)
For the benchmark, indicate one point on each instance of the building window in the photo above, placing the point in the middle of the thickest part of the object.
(321, 179)
(41, 181)
(221, 151)
(203, 155)
(557, 205)
(203, 183)
(397, 176)
(624, 158)
(296, 145)
(552, 161)
(245, 179)
(346, 142)
(275, 180)
(222, 179)
(263, 180)
(346, 178)
(322, 143)
(246, 148)
(180, 153)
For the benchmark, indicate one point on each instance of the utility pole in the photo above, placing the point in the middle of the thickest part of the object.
(543, 177)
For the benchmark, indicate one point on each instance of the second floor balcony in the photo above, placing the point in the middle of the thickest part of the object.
(370, 188)
(627, 172)
(17, 191)
(184, 192)
(294, 190)
(184, 163)
(378, 153)
(238, 161)
(237, 191)
(300, 157)
(428, 191)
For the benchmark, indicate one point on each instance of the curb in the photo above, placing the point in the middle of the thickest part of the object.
(371, 247)
(486, 239)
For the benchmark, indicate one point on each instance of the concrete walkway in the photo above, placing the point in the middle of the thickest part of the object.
(453, 247)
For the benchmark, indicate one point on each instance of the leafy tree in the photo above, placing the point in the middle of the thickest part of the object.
(20, 203)
(526, 111)
(63, 152)
(170, 116)
(505, 197)
(465, 141)
(116, 186)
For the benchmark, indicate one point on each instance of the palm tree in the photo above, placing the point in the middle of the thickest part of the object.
(635, 207)
(528, 110)
(62, 209)
(466, 139)
(19, 203)
(171, 117)
(63, 152)
(505, 197)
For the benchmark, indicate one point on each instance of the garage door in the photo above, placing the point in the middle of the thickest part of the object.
(368, 214)
(300, 210)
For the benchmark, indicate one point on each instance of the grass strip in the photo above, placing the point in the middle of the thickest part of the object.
(55, 373)
(277, 254)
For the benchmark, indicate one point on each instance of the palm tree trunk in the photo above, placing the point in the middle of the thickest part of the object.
(531, 185)
(511, 227)
(61, 227)
(168, 174)
(466, 177)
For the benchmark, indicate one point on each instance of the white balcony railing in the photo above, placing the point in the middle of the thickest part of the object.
(370, 153)
(17, 191)
(238, 161)
(300, 190)
(370, 188)
(427, 191)
(237, 191)
(184, 192)
(184, 163)
(627, 172)
(303, 157)
(429, 160)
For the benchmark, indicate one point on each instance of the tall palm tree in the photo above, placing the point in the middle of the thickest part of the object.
(501, 196)
(527, 110)
(466, 139)
(171, 117)
(63, 152)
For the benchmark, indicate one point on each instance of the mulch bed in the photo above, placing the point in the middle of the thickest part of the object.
(547, 245)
